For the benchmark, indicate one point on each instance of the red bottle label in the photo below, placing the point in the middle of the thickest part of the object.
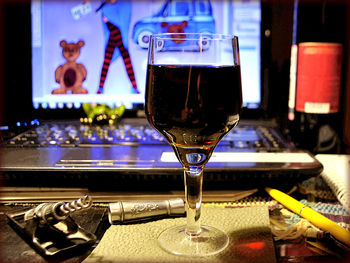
(318, 77)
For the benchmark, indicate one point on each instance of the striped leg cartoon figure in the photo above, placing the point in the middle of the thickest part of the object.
(116, 27)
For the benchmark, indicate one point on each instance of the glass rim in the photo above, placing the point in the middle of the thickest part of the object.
(177, 36)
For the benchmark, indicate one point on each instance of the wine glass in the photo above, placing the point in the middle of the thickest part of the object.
(193, 98)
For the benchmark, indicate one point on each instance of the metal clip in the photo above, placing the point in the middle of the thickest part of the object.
(50, 228)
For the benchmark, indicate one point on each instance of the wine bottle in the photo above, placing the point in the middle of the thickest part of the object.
(320, 31)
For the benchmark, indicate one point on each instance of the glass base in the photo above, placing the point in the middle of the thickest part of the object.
(209, 242)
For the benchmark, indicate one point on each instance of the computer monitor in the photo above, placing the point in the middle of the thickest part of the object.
(96, 51)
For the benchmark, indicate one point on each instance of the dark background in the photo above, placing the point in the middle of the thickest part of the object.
(318, 20)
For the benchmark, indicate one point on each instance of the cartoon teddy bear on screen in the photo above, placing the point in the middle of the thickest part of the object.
(70, 75)
(175, 28)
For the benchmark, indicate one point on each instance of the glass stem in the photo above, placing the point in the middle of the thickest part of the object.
(193, 194)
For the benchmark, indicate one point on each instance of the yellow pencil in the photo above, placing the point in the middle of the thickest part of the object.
(311, 215)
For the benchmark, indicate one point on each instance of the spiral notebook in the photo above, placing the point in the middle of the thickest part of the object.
(336, 172)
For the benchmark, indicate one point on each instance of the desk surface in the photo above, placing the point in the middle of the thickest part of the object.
(15, 249)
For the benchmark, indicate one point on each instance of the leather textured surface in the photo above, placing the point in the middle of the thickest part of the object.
(248, 230)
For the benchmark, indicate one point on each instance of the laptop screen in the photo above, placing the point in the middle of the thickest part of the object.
(96, 51)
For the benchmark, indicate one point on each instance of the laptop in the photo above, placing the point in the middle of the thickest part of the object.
(253, 155)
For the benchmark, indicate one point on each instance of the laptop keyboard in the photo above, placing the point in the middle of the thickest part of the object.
(245, 137)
